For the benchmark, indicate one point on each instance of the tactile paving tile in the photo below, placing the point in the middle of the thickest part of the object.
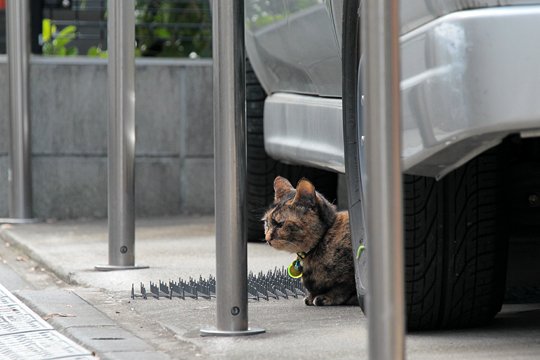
(15, 317)
(5, 300)
(24, 335)
(45, 344)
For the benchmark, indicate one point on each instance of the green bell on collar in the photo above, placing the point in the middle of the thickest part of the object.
(295, 269)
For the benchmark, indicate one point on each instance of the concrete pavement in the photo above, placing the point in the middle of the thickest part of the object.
(108, 322)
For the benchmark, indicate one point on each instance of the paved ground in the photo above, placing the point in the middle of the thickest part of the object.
(50, 266)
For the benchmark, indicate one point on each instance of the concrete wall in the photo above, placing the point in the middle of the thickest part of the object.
(174, 149)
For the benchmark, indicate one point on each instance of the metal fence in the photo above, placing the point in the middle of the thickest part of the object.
(164, 28)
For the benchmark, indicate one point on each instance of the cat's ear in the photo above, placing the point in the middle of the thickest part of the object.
(305, 193)
(282, 187)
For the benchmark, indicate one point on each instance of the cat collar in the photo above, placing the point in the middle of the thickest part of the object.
(295, 269)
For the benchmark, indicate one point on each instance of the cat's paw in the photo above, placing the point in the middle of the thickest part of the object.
(308, 300)
(322, 300)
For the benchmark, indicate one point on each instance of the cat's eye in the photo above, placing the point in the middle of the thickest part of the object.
(277, 224)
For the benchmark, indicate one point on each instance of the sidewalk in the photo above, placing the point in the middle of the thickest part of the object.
(106, 320)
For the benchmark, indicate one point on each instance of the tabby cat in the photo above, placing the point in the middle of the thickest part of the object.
(302, 221)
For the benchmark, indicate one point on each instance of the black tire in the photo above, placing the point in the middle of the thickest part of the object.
(455, 246)
(262, 170)
(455, 232)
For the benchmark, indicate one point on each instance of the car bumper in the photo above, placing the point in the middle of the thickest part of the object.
(469, 79)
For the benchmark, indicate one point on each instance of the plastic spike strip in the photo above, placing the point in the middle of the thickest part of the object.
(274, 284)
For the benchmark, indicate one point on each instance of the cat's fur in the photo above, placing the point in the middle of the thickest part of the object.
(302, 220)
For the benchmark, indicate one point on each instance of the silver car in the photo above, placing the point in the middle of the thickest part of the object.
(470, 134)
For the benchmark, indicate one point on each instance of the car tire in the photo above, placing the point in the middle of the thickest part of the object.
(455, 234)
(262, 170)
(455, 246)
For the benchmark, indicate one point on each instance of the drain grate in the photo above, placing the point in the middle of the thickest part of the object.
(274, 284)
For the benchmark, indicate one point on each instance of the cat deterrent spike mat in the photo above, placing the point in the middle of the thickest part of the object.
(274, 284)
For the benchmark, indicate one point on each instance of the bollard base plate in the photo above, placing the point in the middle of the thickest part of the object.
(119, 267)
(216, 332)
(20, 221)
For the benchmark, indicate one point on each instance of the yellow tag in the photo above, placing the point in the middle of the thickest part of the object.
(295, 269)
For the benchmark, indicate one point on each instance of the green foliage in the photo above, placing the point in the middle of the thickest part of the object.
(164, 28)
(96, 51)
(158, 32)
(56, 42)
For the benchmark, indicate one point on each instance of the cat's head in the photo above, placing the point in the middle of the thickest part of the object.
(298, 218)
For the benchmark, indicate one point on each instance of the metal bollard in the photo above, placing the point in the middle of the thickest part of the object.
(20, 169)
(384, 218)
(230, 170)
(121, 156)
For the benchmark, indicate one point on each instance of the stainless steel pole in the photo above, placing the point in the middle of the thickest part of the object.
(385, 302)
(121, 156)
(20, 174)
(230, 169)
